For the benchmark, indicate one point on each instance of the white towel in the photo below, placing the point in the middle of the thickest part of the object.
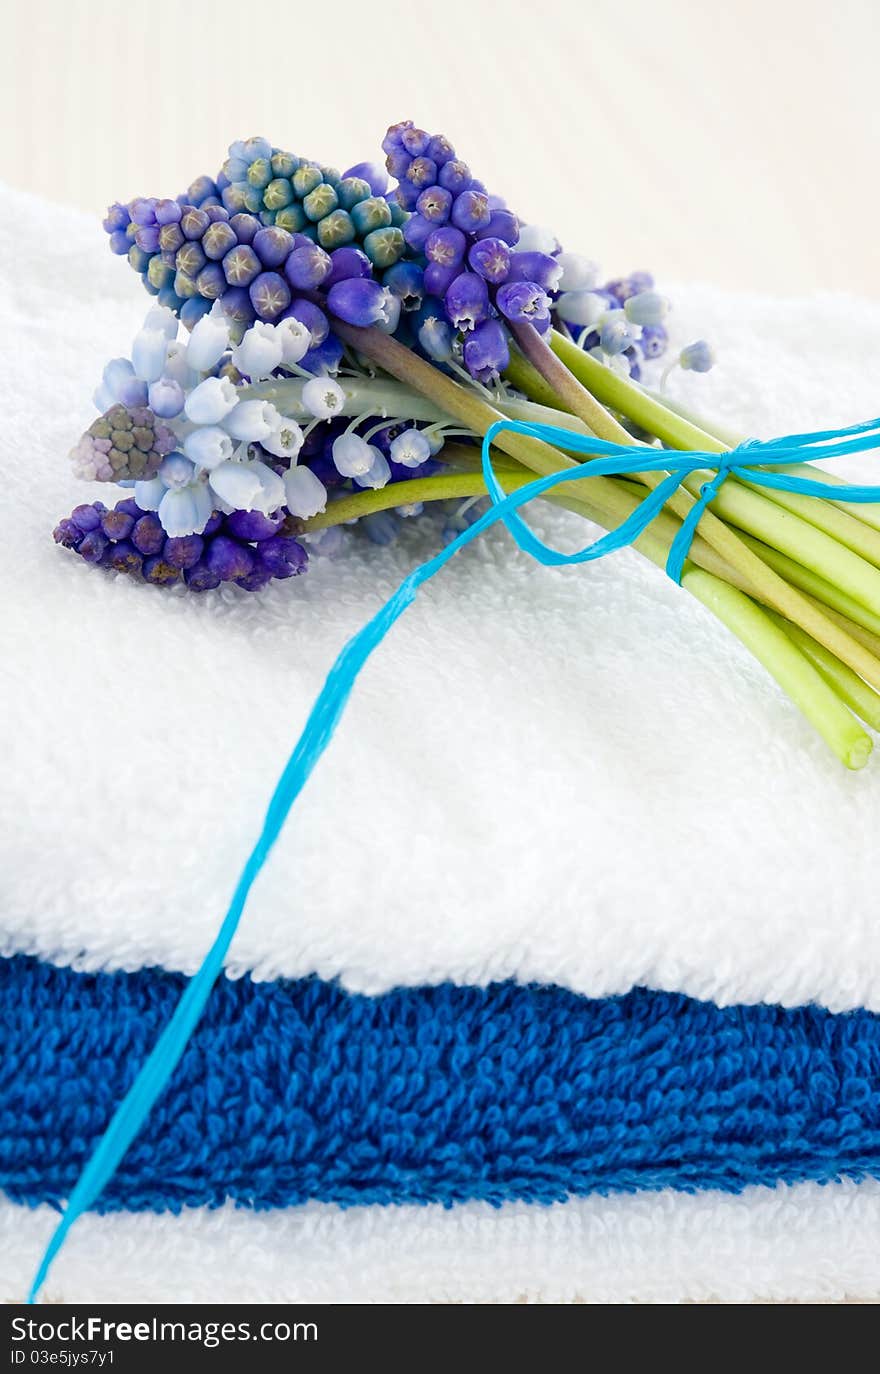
(572, 777)
(808, 1242)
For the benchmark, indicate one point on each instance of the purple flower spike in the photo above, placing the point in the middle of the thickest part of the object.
(93, 546)
(440, 149)
(241, 265)
(470, 211)
(313, 318)
(536, 267)
(503, 224)
(237, 305)
(434, 204)
(272, 246)
(438, 279)
(523, 302)
(347, 262)
(307, 267)
(252, 524)
(167, 211)
(415, 141)
(148, 535)
(455, 176)
(201, 578)
(142, 211)
(490, 259)
(486, 353)
(184, 552)
(446, 247)
(229, 559)
(422, 172)
(417, 231)
(357, 301)
(270, 295)
(467, 301)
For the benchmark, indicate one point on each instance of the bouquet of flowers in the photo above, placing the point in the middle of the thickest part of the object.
(329, 351)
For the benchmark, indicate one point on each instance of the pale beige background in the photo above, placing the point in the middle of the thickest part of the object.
(733, 142)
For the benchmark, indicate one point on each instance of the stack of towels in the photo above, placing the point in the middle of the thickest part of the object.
(563, 982)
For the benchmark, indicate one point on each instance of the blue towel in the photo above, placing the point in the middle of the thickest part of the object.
(292, 1091)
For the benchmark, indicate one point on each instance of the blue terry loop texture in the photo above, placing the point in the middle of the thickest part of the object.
(291, 1091)
(610, 459)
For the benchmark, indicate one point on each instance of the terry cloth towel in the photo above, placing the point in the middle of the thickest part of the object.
(571, 779)
(818, 1244)
(300, 1092)
(558, 776)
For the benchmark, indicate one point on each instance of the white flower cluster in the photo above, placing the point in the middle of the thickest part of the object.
(213, 466)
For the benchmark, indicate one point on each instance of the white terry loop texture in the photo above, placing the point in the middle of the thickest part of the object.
(807, 1242)
(568, 776)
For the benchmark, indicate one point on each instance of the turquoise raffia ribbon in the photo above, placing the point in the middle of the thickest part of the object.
(609, 460)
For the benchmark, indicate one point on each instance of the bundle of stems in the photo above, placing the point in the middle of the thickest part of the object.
(795, 578)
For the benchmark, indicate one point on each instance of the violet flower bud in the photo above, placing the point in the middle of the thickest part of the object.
(486, 351)
(446, 246)
(434, 204)
(467, 300)
(270, 295)
(470, 210)
(272, 245)
(416, 231)
(454, 176)
(523, 302)
(313, 318)
(490, 259)
(358, 301)
(503, 224)
(537, 267)
(347, 262)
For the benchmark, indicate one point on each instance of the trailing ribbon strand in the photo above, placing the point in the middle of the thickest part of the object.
(609, 460)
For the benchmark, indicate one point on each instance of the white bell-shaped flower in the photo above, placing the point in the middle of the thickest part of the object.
(305, 493)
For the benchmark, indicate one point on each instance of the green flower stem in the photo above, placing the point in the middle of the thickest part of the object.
(566, 387)
(627, 398)
(788, 533)
(857, 695)
(476, 414)
(815, 586)
(773, 525)
(603, 496)
(867, 513)
(785, 661)
(818, 513)
(791, 670)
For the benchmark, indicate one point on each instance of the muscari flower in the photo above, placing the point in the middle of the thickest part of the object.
(123, 444)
